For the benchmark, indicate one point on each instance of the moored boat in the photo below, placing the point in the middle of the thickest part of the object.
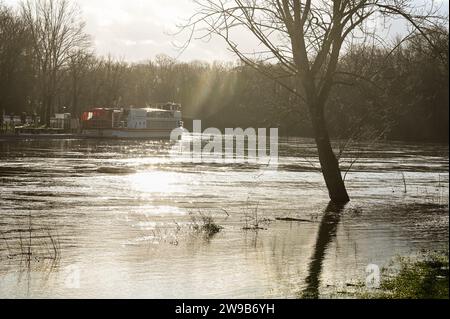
(156, 121)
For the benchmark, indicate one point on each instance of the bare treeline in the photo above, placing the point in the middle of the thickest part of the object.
(47, 65)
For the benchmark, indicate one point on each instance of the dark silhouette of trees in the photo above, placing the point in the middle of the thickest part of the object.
(396, 90)
(16, 68)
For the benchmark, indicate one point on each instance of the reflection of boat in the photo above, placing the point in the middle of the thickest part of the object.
(157, 121)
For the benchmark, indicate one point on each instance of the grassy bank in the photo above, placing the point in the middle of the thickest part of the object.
(425, 277)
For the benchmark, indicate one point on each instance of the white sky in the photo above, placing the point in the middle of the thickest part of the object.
(137, 30)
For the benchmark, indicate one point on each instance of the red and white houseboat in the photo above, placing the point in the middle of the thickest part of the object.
(156, 121)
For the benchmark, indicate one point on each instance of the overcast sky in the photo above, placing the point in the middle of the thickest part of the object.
(137, 30)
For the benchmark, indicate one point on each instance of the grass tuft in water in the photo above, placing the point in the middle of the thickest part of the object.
(252, 220)
(205, 224)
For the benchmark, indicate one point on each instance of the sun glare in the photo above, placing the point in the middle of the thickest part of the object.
(153, 182)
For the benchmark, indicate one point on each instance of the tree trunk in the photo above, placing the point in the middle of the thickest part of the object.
(43, 110)
(46, 111)
(75, 111)
(328, 161)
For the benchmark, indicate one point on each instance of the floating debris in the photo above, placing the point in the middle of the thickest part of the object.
(290, 219)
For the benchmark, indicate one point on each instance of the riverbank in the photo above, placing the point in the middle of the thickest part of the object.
(40, 136)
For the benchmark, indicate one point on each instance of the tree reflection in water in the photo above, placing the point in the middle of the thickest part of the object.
(326, 234)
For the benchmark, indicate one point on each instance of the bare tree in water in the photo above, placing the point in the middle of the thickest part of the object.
(306, 38)
(58, 34)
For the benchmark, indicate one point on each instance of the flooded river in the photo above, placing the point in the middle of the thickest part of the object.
(101, 219)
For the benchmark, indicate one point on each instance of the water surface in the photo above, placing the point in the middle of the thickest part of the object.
(118, 216)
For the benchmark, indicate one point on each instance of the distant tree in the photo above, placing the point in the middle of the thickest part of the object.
(58, 34)
(113, 77)
(77, 69)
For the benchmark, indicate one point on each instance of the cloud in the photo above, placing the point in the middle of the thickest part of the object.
(138, 30)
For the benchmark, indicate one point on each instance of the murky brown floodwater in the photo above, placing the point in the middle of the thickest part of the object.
(118, 215)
